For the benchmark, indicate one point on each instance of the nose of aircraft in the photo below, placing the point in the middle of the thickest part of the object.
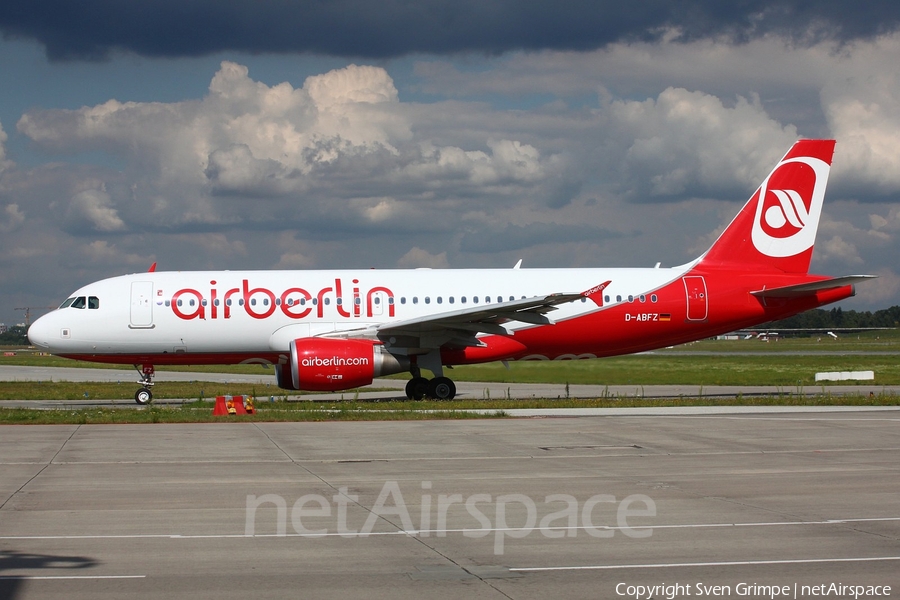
(39, 332)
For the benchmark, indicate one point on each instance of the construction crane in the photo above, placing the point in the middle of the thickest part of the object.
(28, 310)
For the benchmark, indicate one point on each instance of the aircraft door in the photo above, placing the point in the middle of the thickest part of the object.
(697, 301)
(141, 305)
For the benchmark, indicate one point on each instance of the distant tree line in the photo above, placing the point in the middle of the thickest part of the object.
(14, 336)
(821, 318)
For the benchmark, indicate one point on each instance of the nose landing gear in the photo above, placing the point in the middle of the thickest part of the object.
(144, 395)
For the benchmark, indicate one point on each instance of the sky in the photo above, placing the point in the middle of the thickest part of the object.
(377, 133)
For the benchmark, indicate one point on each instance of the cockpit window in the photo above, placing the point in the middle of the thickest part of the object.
(93, 302)
(67, 303)
(79, 302)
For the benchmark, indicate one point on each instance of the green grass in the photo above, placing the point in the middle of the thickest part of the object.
(201, 412)
(667, 369)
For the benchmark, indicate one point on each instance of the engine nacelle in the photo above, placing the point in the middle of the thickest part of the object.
(329, 365)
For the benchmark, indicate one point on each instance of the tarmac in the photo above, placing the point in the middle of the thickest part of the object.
(762, 505)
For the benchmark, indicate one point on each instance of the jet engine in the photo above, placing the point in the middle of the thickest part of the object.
(329, 365)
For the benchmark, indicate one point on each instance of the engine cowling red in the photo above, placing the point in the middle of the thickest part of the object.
(327, 365)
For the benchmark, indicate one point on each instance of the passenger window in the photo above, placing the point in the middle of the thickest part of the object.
(440, 300)
(606, 298)
(630, 298)
(618, 298)
(415, 299)
(79, 302)
(463, 299)
(93, 302)
(643, 298)
(653, 298)
(451, 299)
(427, 300)
(402, 299)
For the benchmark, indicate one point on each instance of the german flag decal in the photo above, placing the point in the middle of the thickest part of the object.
(665, 316)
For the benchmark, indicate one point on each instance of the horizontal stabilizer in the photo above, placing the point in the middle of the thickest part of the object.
(805, 289)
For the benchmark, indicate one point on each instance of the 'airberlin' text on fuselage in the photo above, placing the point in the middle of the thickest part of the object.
(294, 302)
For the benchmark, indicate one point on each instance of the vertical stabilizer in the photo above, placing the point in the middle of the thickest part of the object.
(777, 227)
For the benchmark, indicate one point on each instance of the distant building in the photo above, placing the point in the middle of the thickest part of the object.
(3, 328)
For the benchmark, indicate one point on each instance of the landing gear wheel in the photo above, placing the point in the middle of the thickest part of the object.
(143, 396)
(441, 388)
(416, 388)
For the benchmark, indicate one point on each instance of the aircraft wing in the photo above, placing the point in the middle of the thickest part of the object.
(804, 289)
(460, 328)
(488, 318)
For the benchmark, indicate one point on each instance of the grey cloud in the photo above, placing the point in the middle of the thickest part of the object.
(517, 237)
(92, 29)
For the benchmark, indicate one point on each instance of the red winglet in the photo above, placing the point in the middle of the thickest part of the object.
(596, 293)
(152, 268)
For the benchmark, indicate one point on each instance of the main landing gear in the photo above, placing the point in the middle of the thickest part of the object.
(439, 388)
(144, 395)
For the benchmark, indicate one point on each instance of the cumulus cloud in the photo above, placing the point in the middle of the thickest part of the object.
(11, 218)
(93, 209)
(689, 142)
(283, 154)
(864, 116)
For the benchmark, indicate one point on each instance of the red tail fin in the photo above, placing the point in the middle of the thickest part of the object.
(777, 227)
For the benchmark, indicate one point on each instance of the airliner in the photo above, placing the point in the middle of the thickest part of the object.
(338, 330)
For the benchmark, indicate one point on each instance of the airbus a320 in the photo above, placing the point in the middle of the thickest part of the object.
(337, 330)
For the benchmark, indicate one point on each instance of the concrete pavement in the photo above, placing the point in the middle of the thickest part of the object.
(521, 508)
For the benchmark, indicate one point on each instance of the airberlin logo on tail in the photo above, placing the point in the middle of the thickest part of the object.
(788, 206)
